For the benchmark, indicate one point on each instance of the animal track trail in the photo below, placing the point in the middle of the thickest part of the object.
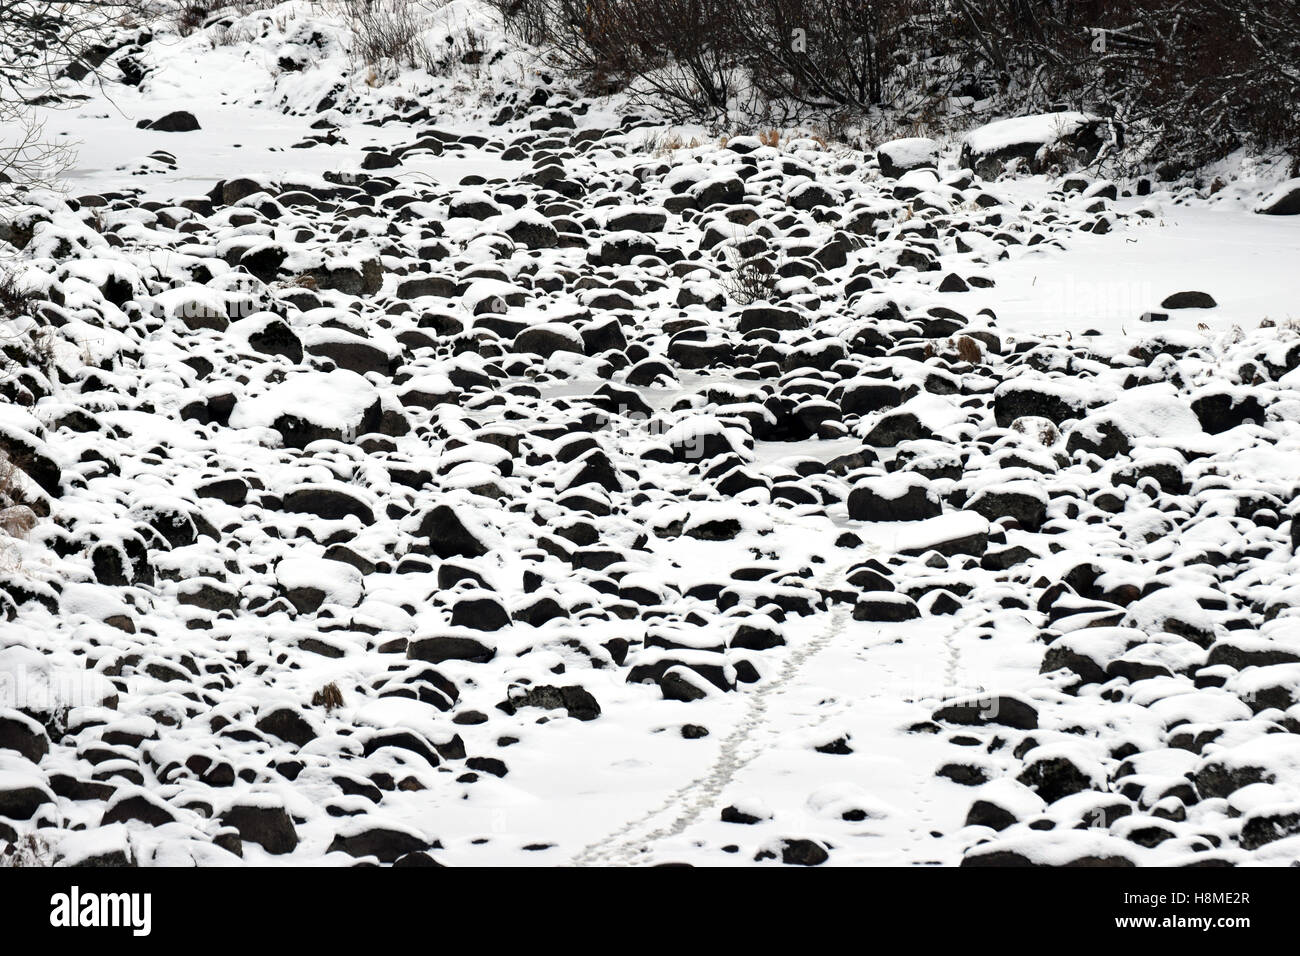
(684, 806)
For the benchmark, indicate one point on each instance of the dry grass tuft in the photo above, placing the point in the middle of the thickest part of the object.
(329, 697)
(28, 850)
(968, 350)
(15, 299)
(17, 519)
(191, 15)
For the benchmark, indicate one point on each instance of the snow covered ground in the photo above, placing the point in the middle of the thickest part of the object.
(1243, 260)
(413, 479)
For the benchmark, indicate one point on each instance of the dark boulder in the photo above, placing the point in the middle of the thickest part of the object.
(269, 827)
(386, 844)
(895, 498)
(1189, 300)
(435, 650)
(181, 121)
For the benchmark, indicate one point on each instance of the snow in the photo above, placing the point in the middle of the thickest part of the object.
(91, 844)
(630, 565)
(1041, 128)
(1155, 411)
(1278, 755)
(923, 535)
(910, 151)
(1241, 259)
(1278, 194)
(335, 399)
(340, 582)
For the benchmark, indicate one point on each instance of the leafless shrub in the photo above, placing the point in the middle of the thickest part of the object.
(41, 42)
(1181, 78)
(191, 14)
(16, 299)
(1221, 75)
(30, 345)
(530, 20)
(833, 53)
(676, 52)
(45, 39)
(387, 33)
(44, 343)
(783, 58)
(463, 48)
(753, 280)
(27, 157)
(235, 34)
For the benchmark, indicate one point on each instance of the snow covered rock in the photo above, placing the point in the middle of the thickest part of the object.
(310, 406)
(1282, 201)
(1037, 140)
(1189, 300)
(899, 156)
(900, 497)
(470, 454)
(180, 121)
